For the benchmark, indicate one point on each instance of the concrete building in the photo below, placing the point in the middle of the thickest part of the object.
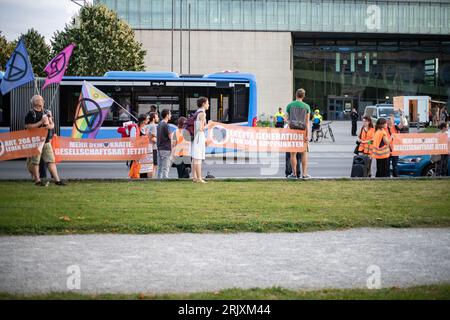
(345, 53)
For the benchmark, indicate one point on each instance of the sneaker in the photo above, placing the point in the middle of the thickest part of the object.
(42, 184)
(291, 176)
(60, 183)
(306, 176)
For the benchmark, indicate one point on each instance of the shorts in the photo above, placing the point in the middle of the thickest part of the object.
(155, 157)
(46, 155)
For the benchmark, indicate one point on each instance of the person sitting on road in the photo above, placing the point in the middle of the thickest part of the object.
(316, 122)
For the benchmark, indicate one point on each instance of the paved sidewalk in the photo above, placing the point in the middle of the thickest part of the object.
(209, 262)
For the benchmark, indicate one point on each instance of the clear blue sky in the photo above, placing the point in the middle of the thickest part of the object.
(46, 16)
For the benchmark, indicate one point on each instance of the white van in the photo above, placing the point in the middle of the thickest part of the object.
(379, 111)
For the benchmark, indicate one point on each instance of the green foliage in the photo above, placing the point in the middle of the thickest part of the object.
(6, 49)
(38, 51)
(103, 43)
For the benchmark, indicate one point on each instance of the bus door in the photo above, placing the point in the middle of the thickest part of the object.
(219, 105)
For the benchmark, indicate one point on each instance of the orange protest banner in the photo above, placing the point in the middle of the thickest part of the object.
(71, 149)
(22, 144)
(419, 143)
(257, 139)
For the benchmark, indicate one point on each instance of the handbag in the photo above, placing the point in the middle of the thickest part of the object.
(356, 151)
(134, 170)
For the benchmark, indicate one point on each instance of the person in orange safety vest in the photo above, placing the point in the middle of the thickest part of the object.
(365, 140)
(381, 150)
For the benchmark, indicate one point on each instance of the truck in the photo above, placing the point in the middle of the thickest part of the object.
(416, 109)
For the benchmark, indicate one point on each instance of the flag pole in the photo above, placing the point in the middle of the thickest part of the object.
(125, 110)
(36, 89)
(53, 98)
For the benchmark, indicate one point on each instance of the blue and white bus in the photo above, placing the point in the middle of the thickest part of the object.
(232, 98)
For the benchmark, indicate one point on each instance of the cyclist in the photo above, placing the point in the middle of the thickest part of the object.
(279, 118)
(316, 121)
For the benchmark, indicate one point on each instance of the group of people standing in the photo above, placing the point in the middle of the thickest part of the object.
(182, 148)
(376, 143)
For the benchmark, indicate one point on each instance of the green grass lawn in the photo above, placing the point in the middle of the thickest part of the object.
(221, 206)
(430, 292)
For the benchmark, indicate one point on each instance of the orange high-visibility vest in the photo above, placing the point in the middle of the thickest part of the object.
(393, 130)
(182, 146)
(380, 150)
(365, 147)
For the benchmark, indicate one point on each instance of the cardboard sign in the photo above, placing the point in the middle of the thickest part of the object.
(22, 144)
(419, 144)
(70, 149)
(257, 139)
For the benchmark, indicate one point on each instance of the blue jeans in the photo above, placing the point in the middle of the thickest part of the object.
(163, 164)
(394, 162)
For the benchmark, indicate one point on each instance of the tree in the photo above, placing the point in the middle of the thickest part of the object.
(37, 49)
(102, 41)
(6, 49)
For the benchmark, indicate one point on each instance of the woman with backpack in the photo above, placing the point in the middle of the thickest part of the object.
(198, 147)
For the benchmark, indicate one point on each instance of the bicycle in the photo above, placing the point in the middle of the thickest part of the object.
(325, 132)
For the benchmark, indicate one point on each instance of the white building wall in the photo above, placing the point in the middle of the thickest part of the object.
(265, 54)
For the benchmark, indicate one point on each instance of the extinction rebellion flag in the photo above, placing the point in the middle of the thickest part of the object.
(56, 68)
(18, 69)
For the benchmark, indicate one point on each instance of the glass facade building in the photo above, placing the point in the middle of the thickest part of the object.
(395, 16)
(341, 74)
(345, 53)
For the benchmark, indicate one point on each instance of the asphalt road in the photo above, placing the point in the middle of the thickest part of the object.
(208, 262)
(326, 159)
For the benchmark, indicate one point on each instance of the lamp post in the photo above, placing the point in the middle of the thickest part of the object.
(173, 18)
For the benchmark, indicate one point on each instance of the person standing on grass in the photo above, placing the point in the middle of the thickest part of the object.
(164, 144)
(380, 149)
(151, 127)
(365, 140)
(393, 129)
(297, 114)
(198, 147)
(38, 117)
(139, 131)
(181, 150)
(442, 169)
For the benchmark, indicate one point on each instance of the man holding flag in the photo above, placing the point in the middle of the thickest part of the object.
(37, 117)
